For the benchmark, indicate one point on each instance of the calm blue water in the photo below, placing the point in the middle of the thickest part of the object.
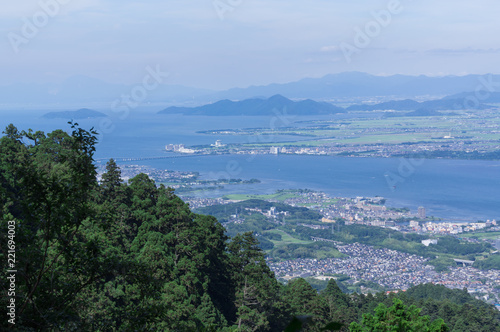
(468, 190)
(456, 189)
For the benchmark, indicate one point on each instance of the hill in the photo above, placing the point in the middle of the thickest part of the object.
(418, 112)
(83, 113)
(490, 97)
(256, 106)
(278, 103)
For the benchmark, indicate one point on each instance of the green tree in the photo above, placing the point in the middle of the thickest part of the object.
(339, 304)
(255, 284)
(46, 184)
(111, 179)
(398, 318)
(305, 301)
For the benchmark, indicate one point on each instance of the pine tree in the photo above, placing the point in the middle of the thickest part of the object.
(255, 284)
(339, 304)
(305, 301)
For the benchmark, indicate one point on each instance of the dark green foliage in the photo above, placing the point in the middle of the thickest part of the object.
(221, 212)
(115, 256)
(398, 318)
(253, 223)
(46, 182)
(256, 288)
(453, 306)
(334, 326)
(451, 245)
(459, 310)
(297, 323)
(305, 301)
(438, 292)
(265, 244)
(442, 264)
(272, 236)
(312, 250)
(317, 284)
(339, 305)
(305, 323)
(492, 262)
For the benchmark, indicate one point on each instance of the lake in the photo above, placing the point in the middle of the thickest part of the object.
(452, 189)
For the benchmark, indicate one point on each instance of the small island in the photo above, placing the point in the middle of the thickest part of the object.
(83, 113)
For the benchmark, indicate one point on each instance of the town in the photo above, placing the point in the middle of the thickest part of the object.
(390, 269)
(390, 134)
(382, 268)
(369, 211)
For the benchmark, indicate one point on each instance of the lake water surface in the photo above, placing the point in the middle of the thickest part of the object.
(455, 189)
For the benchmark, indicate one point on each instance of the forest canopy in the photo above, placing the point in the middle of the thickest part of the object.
(113, 255)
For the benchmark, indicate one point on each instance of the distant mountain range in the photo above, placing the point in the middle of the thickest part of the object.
(83, 113)
(484, 96)
(257, 106)
(278, 103)
(444, 104)
(349, 85)
(356, 84)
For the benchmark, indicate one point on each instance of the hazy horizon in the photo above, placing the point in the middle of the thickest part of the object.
(220, 44)
(82, 76)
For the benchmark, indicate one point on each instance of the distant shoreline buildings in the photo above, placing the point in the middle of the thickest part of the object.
(181, 148)
(421, 212)
(218, 144)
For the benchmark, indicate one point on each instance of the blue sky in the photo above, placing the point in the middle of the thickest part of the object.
(252, 42)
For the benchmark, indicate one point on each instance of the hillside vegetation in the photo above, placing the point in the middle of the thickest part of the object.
(115, 256)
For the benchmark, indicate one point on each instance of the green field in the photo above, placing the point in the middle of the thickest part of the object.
(390, 138)
(391, 130)
(286, 238)
(297, 248)
(482, 235)
(281, 196)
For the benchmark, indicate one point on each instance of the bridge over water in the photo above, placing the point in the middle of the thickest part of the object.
(105, 160)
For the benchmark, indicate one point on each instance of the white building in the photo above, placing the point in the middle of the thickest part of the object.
(274, 150)
(218, 144)
(414, 224)
(429, 242)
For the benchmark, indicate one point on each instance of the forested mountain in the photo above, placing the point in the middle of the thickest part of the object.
(258, 106)
(109, 255)
(113, 256)
(278, 103)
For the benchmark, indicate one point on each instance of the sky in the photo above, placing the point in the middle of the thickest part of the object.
(220, 44)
